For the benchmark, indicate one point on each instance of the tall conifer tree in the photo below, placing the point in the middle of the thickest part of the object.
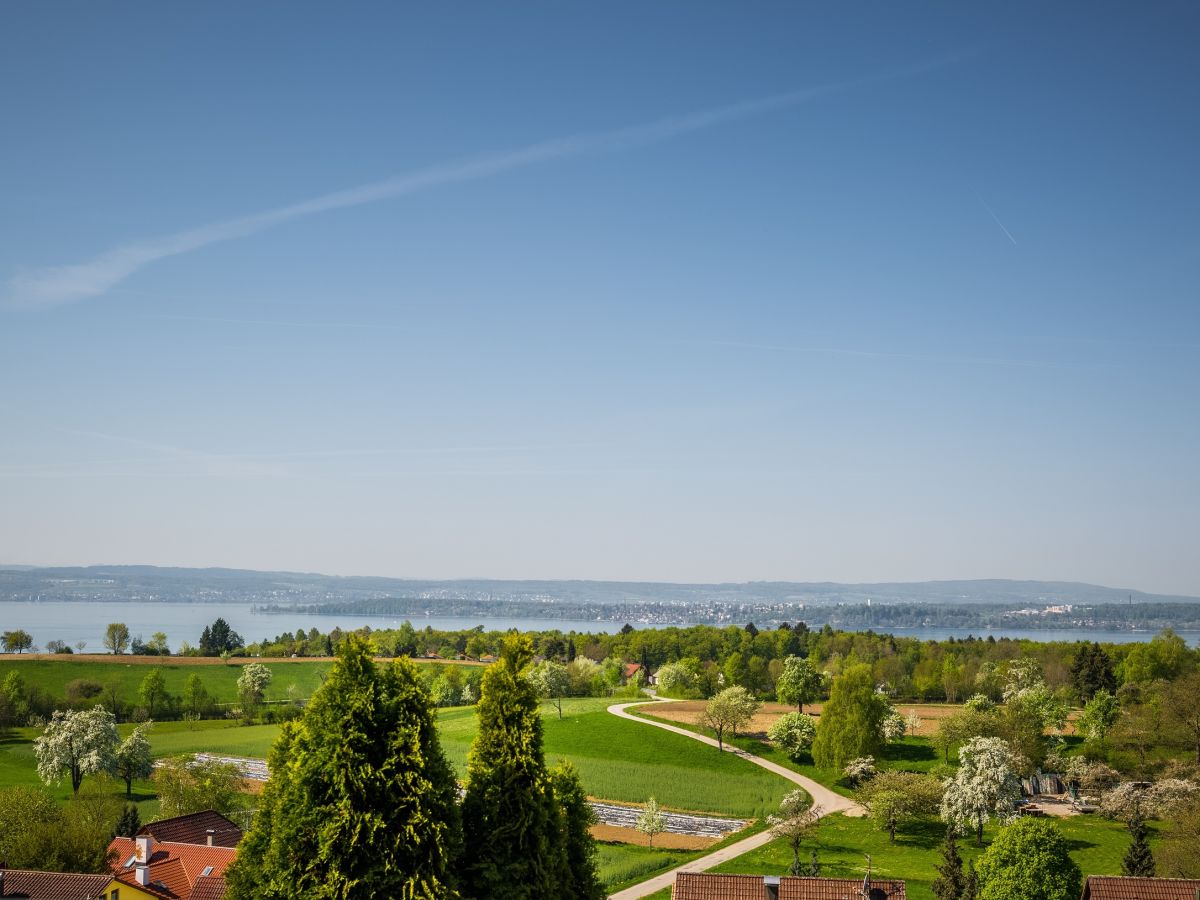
(1138, 858)
(510, 820)
(361, 801)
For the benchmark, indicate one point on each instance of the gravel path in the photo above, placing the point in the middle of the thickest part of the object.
(823, 797)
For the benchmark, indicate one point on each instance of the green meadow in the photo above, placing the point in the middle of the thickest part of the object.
(289, 678)
(617, 759)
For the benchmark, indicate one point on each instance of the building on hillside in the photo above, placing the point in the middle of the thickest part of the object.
(631, 670)
(707, 886)
(169, 870)
(1115, 887)
(208, 827)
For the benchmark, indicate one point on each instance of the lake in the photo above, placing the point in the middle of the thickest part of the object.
(74, 621)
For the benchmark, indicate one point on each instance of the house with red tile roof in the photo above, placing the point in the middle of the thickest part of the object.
(207, 827)
(1106, 887)
(707, 886)
(168, 869)
(29, 884)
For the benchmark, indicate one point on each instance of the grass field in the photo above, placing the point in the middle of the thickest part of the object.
(51, 675)
(624, 761)
(914, 754)
(617, 759)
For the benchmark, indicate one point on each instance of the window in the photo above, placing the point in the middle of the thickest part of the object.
(207, 871)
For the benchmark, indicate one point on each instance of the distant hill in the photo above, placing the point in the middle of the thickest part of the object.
(180, 585)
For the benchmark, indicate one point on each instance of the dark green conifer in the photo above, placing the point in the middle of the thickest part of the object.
(510, 819)
(1138, 858)
(951, 882)
(580, 876)
(361, 801)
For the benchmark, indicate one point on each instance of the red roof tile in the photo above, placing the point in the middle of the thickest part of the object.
(210, 888)
(193, 829)
(28, 883)
(1103, 887)
(174, 867)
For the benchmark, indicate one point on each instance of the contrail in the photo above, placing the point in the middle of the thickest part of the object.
(63, 284)
(996, 219)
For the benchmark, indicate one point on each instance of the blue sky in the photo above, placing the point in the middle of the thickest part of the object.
(653, 291)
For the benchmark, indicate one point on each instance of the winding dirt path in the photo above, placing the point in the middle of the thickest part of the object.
(827, 800)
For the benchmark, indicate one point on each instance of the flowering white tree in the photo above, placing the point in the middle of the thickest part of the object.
(77, 743)
(1160, 800)
(984, 787)
(793, 733)
(651, 821)
(912, 721)
(893, 727)
(252, 685)
(133, 757)
(859, 770)
(552, 681)
(797, 819)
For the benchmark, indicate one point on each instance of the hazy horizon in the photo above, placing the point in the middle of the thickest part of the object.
(684, 292)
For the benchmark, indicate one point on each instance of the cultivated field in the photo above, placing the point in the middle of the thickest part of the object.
(688, 711)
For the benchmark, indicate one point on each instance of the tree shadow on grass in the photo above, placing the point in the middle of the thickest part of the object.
(925, 835)
(1074, 844)
(906, 752)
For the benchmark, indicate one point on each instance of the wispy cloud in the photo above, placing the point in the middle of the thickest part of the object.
(996, 219)
(79, 281)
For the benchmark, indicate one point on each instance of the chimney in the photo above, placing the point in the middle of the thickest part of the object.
(771, 887)
(143, 875)
(208, 836)
(144, 845)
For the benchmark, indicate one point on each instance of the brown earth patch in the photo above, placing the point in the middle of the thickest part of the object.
(615, 834)
(688, 712)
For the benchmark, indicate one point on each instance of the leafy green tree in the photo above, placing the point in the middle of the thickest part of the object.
(196, 701)
(361, 801)
(951, 882)
(799, 682)
(731, 710)
(893, 799)
(1029, 861)
(1176, 856)
(581, 876)
(1182, 712)
(188, 784)
(153, 691)
(509, 814)
(14, 701)
(1099, 715)
(1138, 858)
(552, 681)
(37, 832)
(133, 757)
(851, 722)
(17, 641)
(116, 637)
(77, 744)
